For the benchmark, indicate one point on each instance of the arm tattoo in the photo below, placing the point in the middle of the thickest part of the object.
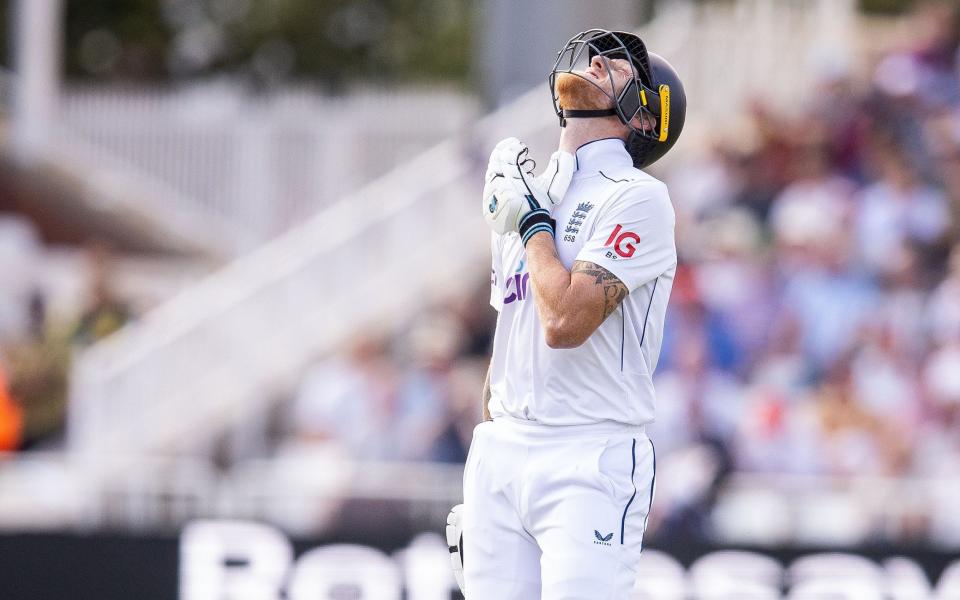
(614, 291)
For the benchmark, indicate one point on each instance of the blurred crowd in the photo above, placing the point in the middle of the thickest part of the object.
(411, 395)
(35, 345)
(815, 321)
(814, 326)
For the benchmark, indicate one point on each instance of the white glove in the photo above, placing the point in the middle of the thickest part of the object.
(515, 200)
(455, 542)
(556, 177)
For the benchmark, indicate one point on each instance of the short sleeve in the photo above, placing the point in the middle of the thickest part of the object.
(496, 277)
(633, 236)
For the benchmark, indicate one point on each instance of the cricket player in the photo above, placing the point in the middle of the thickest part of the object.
(560, 476)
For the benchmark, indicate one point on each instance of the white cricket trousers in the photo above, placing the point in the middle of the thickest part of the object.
(555, 513)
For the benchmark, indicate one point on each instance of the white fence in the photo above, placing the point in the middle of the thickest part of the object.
(217, 353)
(261, 164)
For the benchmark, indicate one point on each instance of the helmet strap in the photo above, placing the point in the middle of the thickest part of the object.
(587, 114)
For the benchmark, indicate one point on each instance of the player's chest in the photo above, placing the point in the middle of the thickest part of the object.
(575, 218)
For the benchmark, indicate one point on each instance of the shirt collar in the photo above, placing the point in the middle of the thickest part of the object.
(603, 153)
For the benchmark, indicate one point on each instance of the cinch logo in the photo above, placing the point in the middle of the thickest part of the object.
(625, 243)
(519, 284)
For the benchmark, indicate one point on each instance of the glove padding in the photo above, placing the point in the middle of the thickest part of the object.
(455, 542)
(556, 177)
(514, 200)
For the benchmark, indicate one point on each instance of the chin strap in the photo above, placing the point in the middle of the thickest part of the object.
(585, 114)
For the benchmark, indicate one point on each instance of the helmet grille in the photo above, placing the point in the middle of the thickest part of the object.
(612, 43)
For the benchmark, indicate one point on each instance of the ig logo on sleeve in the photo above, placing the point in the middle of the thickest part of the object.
(624, 242)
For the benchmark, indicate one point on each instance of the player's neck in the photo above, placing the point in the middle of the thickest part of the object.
(581, 131)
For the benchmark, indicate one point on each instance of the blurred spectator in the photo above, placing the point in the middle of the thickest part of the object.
(898, 210)
(424, 425)
(704, 186)
(106, 313)
(476, 320)
(11, 418)
(32, 399)
(855, 441)
(39, 365)
(19, 251)
(831, 302)
(466, 387)
(943, 308)
(900, 310)
(348, 401)
(836, 119)
(817, 202)
(40, 383)
(763, 163)
(735, 286)
(942, 380)
(696, 400)
(937, 26)
(938, 442)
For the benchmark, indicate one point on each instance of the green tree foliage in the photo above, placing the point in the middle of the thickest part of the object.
(329, 41)
(121, 38)
(886, 7)
(5, 39)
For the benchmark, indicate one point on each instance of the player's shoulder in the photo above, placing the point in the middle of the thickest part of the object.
(631, 186)
(628, 180)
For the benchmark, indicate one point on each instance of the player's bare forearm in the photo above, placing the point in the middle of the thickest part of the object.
(571, 304)
(486, 396)
(551, 280)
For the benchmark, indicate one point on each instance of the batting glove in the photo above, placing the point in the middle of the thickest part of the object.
(455, 542)
(556, 177)
(514, 200)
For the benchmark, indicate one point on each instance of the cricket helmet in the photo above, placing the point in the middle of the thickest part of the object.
(654, 92)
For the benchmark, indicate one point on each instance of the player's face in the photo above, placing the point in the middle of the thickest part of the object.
(590, 88)
(602, 72)
(594, 87)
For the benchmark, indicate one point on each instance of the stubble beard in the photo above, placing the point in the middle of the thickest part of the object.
(576, 93)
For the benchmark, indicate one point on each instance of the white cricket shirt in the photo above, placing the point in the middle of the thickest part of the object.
(621, 219)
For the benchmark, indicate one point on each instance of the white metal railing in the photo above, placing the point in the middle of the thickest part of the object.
(112, 186)
(262, 163)
(216, 353)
